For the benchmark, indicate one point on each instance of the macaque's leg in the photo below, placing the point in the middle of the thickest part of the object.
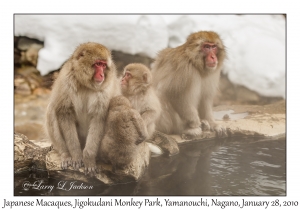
(208, 121)
(190, 117)
(67, 123)
(95, 134)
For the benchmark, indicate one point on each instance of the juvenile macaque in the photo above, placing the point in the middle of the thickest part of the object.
(136, 85)
(79, 103)
(186, 79)
(124, 132)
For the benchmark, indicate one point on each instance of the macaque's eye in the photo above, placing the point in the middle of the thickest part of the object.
(127, 75)
(101, 64)
(210, 47)
(206, 48)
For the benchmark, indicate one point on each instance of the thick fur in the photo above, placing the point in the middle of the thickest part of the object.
(124, 132)
(185, 86)
(78, 106)
(141, 94)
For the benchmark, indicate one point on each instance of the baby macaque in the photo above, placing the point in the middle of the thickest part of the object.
(124, 133)
(79, 103)
(186, 79)
(136, 85)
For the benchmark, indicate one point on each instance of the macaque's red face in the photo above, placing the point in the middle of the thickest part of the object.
(210, 51)
(99, 68)
(125, 80)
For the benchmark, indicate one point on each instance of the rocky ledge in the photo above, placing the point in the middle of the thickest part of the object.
(267, 121)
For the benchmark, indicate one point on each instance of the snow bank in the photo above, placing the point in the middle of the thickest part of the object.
(63, 33)
(255, 43)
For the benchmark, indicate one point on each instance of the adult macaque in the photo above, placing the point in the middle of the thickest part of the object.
(186, 79)
(124, 132)
(79, 103)
(136, 85)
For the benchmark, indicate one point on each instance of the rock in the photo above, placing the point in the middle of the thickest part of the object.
(41, 91)
(30, 56)
(27, 153)
(25, 43)
(27, 79)
(132, 172)
(17, 58)
(237, 94)
(21, 86)
(122, 59)
(260, 121)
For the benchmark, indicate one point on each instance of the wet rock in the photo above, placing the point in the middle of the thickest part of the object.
(226, 117)
(132, 172)
(261, 121)
(27, 153)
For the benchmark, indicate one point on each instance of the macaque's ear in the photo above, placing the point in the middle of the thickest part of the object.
(147, 78)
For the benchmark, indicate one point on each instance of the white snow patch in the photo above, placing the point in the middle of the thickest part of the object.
(255, 43)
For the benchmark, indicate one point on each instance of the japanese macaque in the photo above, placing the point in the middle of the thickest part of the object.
(79, 103)
(124, 132)
(136, 85)
(186, 79)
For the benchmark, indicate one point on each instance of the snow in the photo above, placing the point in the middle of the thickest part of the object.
(255, 43)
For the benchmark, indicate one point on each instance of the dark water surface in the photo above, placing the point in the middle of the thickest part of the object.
(212, 167)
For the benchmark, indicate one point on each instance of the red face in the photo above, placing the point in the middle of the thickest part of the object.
(125, 80)
(99, 68)
(210, 51)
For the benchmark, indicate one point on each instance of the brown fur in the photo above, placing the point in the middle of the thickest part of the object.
(186, 86)
(124, 131)
(78, 106)
(141, 94)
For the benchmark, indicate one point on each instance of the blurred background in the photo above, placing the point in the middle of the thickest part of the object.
(254, 71)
